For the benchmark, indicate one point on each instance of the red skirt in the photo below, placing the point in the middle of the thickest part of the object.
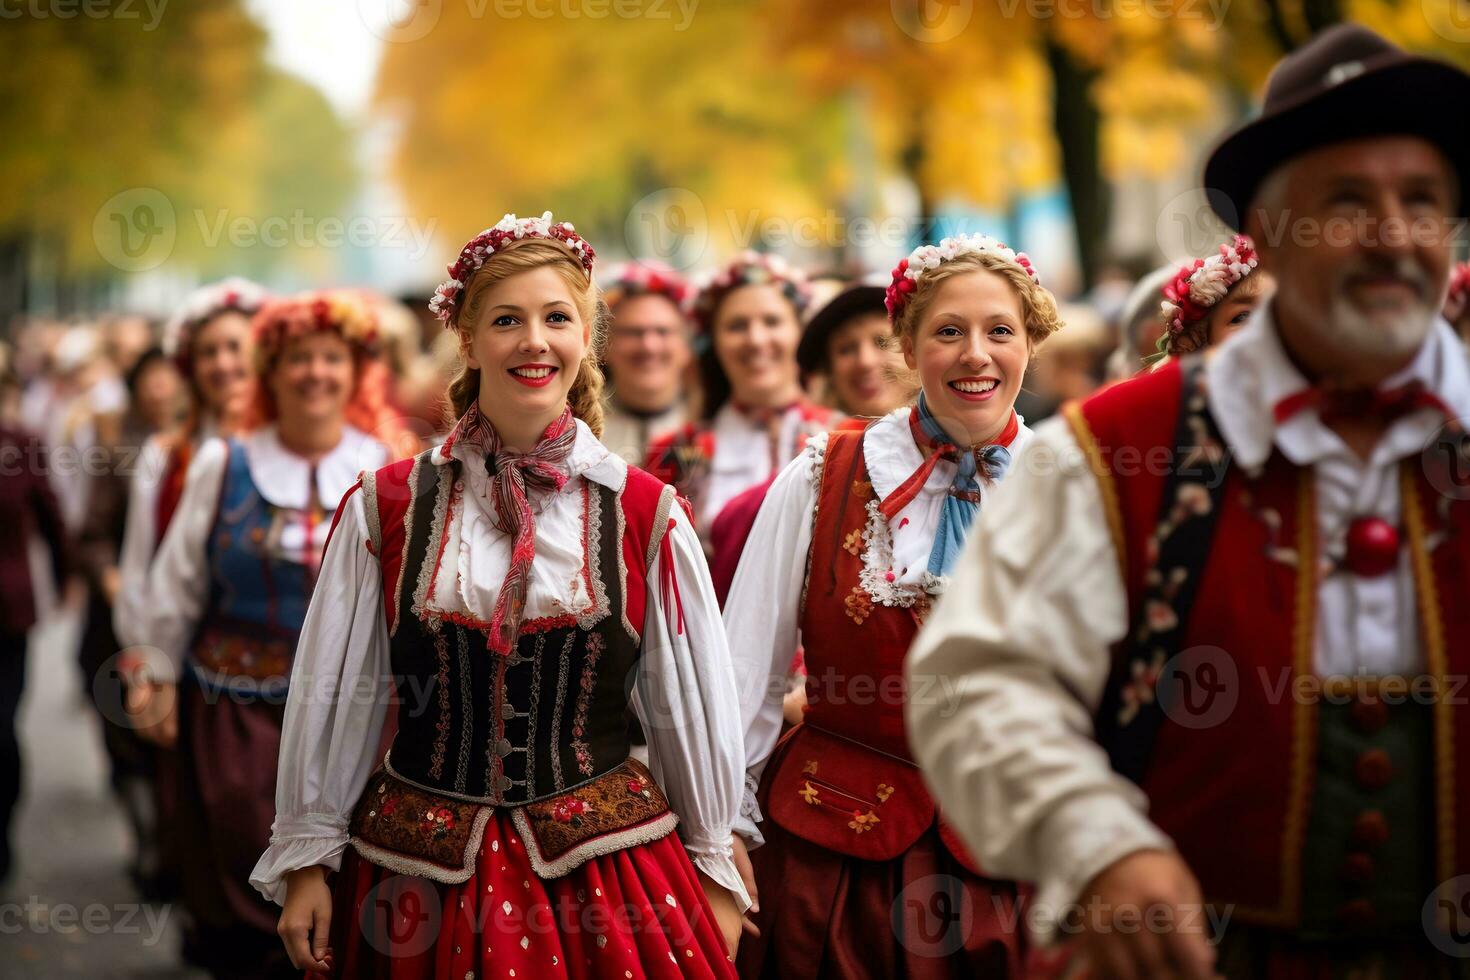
(638, 912)
(920, 915)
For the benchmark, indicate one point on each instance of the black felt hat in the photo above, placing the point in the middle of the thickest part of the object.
(853, 301)
(1346, 83)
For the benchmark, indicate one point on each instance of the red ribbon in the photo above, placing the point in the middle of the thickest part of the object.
(906, 491)
(1386, 404)
(512, 474)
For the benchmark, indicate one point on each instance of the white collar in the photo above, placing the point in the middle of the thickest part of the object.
(893, 456)
(731, 420)
(589, 459)
(284, 479)
(1250, 373)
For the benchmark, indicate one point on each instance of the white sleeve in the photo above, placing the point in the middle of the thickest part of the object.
(178, 579)
(762, 614)
(139, 541)
(340, 691)
(685, 698)
(1014, 660)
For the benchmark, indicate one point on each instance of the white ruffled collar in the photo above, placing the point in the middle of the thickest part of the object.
(892, 455)
(284, 479)
(896, 554)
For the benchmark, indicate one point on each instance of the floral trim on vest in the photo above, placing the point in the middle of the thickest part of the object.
(448, 519)
(816, 447)
(1177, 549)
(416, 832)
(619, 809)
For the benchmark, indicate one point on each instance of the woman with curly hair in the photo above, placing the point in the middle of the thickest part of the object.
(852, 546)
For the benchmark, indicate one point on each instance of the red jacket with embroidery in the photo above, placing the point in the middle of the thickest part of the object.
(1234, 793)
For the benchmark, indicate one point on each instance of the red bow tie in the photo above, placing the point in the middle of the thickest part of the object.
(934, 451)
(1385, 404)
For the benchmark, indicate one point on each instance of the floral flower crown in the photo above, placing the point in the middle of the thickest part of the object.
(233, 295)
(1199, 285)
(906, 274)
(748, 269)
(646, 277)
(338, 311)
(1457, 302)
(508, 229)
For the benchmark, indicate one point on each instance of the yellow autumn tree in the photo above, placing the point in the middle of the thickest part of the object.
(588, 115)
(126, 130)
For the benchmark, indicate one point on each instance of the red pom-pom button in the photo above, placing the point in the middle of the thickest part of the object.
(1372, 547)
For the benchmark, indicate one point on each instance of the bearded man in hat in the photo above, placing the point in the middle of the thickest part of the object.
(1198, 676)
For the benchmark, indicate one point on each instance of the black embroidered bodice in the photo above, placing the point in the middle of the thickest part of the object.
(517, 728)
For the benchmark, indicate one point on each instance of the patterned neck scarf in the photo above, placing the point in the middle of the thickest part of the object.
(513, 476)
(988, 462)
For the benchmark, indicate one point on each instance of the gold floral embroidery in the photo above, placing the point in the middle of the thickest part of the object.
(884, 792)
(853, 543)
(863, 822)
(859, 605)
(809, 794)
(810, 769)
(862, 489)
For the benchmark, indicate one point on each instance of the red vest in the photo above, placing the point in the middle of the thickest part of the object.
(1235, 793)
(643, 502)
(845, 778)
(171, 489)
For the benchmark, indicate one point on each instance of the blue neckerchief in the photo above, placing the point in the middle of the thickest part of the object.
(959, 513)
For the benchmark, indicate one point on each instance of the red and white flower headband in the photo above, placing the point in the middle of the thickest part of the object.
(749, 268)
(233, 295)
(906, 274)
(508, 229)
(646, 277)
(340, 311)
(1201, 284)
(1457, 302)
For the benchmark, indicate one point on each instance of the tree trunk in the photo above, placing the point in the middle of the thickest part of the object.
(911, 159)
(14, 282)
(1078, 125)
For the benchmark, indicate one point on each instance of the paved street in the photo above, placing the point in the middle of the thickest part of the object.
(70, 910)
